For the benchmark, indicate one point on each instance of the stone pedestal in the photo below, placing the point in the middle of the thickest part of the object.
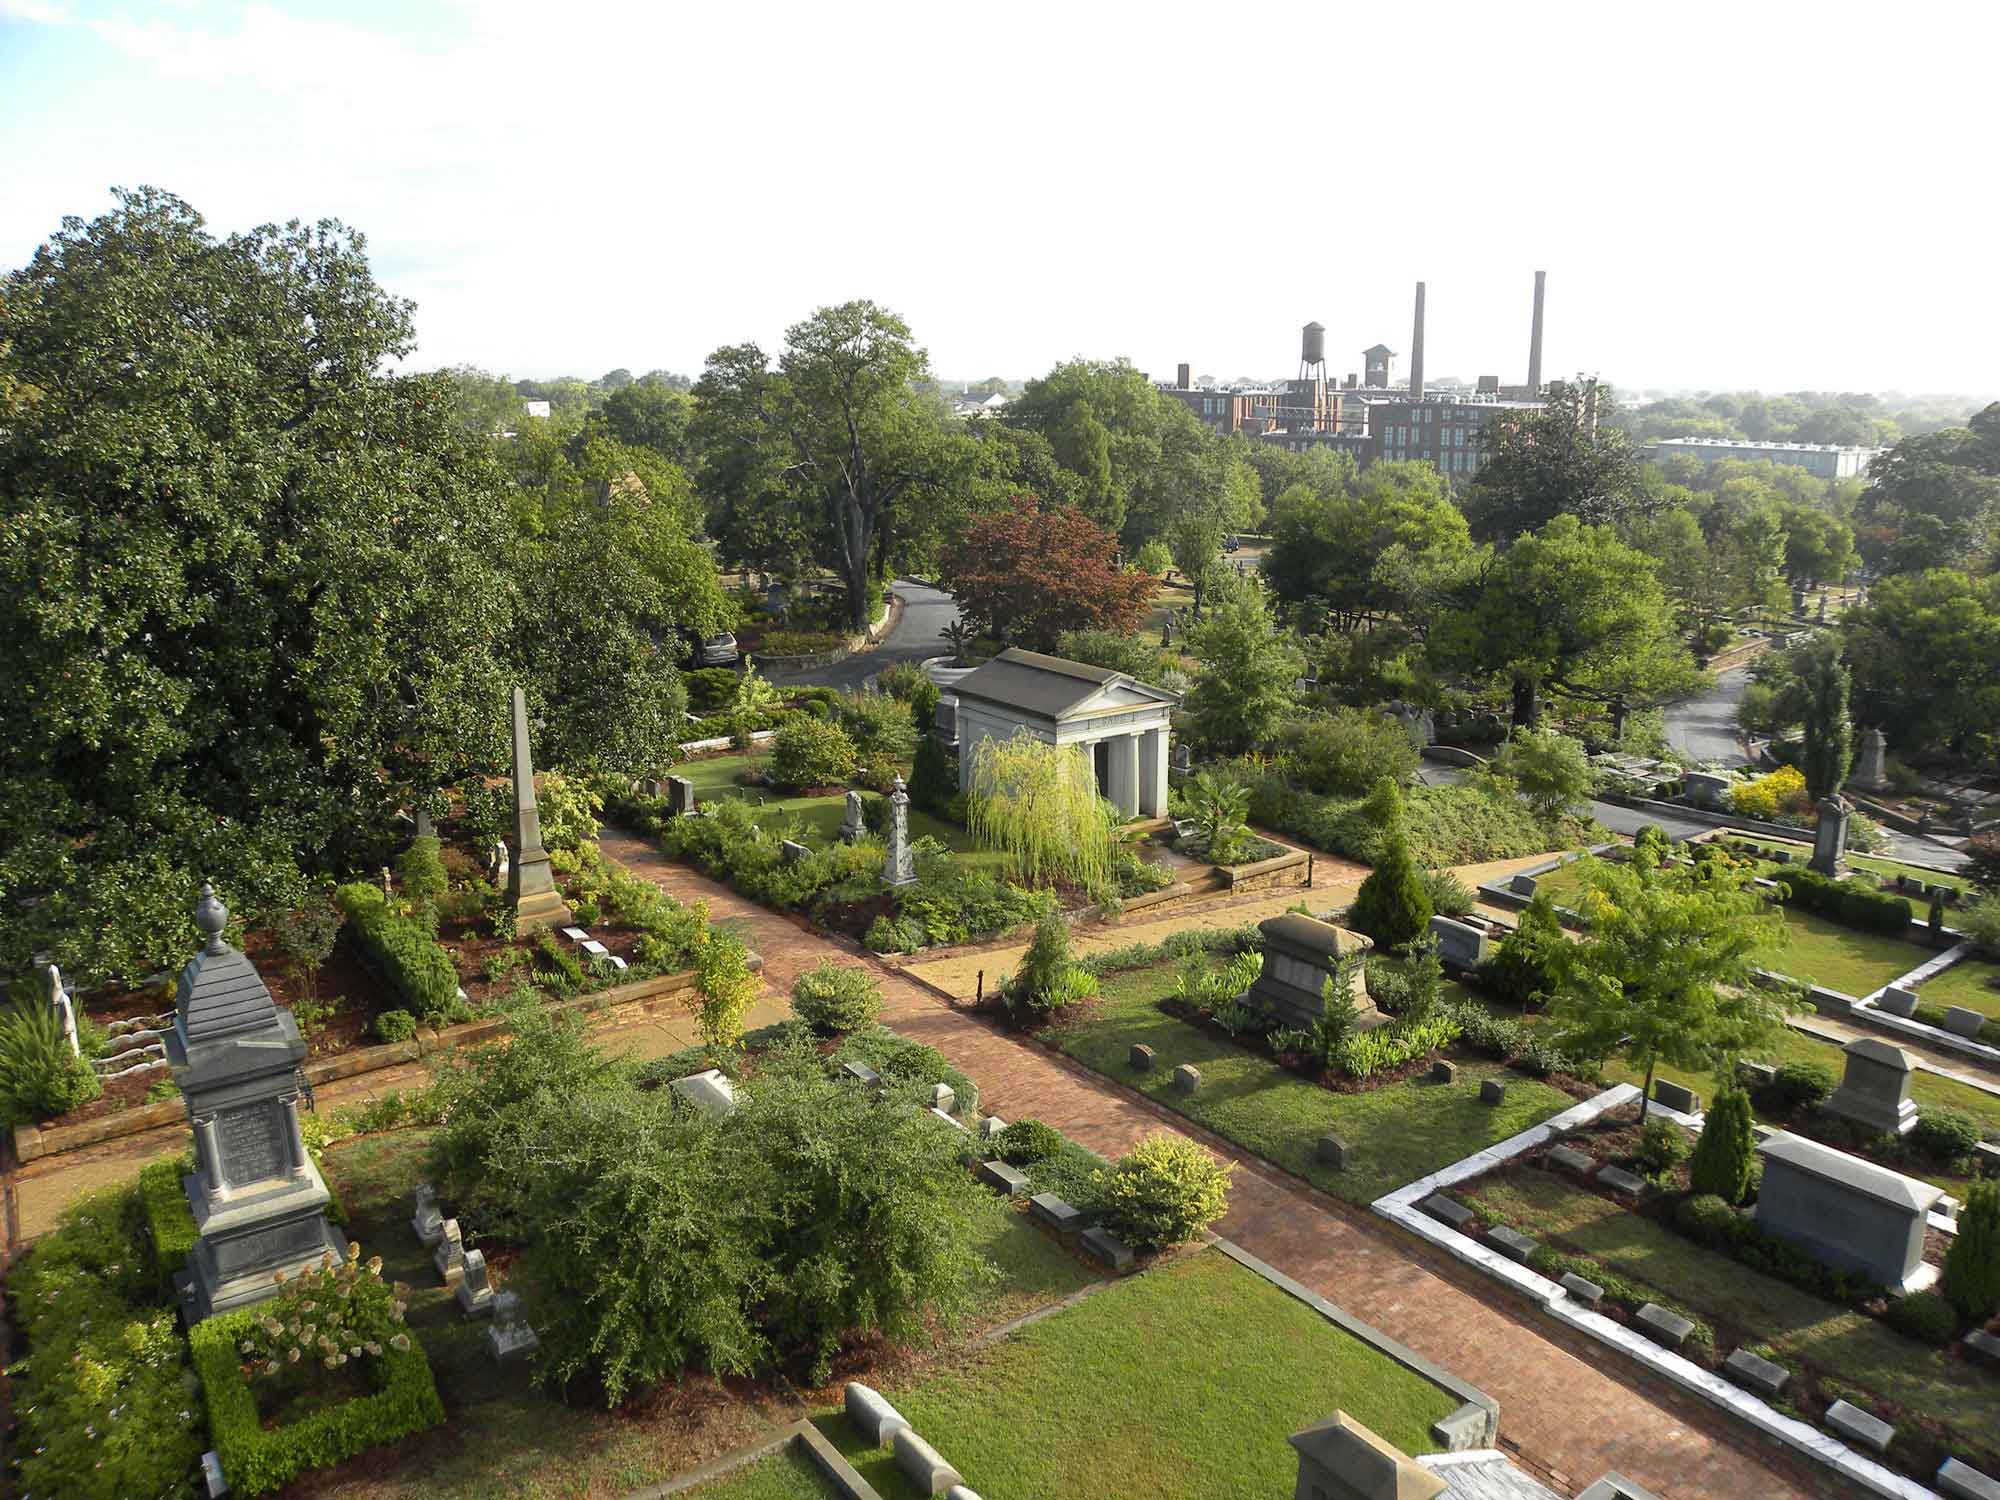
(1829, 856)
(1846, 1212)
(259, 1204)
(1871, 766)
(1875, 1091)
(1300, 957)
(531, 884)
(899, 866)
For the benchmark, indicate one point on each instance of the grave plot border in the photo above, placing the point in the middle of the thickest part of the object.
(800, 1434)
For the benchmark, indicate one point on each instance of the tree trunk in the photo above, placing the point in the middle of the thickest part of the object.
(1527, 707)
(1618, 713)
(1646, 1097)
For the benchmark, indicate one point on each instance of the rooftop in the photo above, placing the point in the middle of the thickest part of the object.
(1049, 687)
(1705, 442)
(1850, 1172)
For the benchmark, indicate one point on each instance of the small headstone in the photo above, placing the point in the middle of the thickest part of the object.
(790, 851)
(991, 1126)
(1668, 1329)
(680, 797)
(1512, 1243)
(474, 1296)
(1897, 1000)
(211, 1475)
(1104, 1246)
(1444, 1071)
(1984, 1345)
(872, 1415)
(1829, 855)
(1870, 766)
(1573, 1159)
(1459, 1430)
(594, 948)
(1141, 1057)
(1332, 1152)
(509, 1337)
(1961, 1481)
(1962, 1022)
(1756, 1075)
(426, 1223)
(1621, 1181)
(943, 1097)
(925, 1466)
(862, 1074)
(709, 1091)
(1676, 1097)
(1448, 1209)
(616, 964)
(1845, 1419)
(1492, 1091)
(1756, 1372)
(1705, 789)
(1010, 1180)
(1460, 944)
(449, 1257)
(1781, 856)
(853, 825)
(1875, 1089)
(1054, 1211)
(576, 934)
(1187, 1078)
(1589, 1293)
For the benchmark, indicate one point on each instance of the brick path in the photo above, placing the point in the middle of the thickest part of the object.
(1564, 1414)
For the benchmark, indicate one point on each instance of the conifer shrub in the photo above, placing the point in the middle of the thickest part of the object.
(1725, 1149)
(1972, 1270)
(1392, 906)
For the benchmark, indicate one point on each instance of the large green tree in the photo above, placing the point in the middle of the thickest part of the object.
(1561, 459)
(1249, 670)
(1369, 546)
(1938, 495)
(1829, 733)
(1925, 652)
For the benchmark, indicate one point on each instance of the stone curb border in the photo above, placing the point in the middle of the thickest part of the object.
(838, 1471)
(1400, 1207)
(1467, 1394)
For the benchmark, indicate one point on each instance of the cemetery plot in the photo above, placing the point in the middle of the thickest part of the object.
(1970, 984)
(722, 776)
(1840, 958)
(1180, 1383)
(786, 1475)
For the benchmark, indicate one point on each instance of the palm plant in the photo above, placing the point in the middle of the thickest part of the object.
(1221, 811)
(958, 635)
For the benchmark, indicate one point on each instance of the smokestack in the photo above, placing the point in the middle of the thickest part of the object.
(1417, 350)
(1535, 338)
(1184, 371)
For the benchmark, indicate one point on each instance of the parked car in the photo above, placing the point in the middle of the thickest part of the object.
(1230, 544)
(715, 651)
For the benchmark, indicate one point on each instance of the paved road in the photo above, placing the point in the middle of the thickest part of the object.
(1705, 727)
(926, 612)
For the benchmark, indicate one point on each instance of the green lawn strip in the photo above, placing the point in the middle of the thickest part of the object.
(1840, 958)
(1966, 983)
(1873, 863)
(786, 1475)
(1746, 1306)
(1179, 1384)
(511, 1442)
(1396, 1133)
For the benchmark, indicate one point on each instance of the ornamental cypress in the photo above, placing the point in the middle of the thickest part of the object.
(1392, 906)
(1829, 747)
(1972, 1269)
(1722, 1156)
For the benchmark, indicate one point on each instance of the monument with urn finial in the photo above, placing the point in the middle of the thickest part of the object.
(259, 1202)
(531, 884)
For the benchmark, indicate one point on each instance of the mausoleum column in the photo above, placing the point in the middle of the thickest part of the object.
(1153, 773)
(295, 1140)
(207, 1148)
(1123, 762)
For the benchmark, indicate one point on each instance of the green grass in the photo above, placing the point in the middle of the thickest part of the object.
(504, 1440)
(1840, 958)
(786, 1475)
(1180, 1384)
(1965, 983)
(1801, 1328)
(1396, 1133)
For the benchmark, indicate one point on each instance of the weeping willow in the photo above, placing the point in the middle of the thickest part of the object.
(1038, 804)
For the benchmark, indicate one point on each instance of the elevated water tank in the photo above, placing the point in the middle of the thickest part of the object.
(1312, 348)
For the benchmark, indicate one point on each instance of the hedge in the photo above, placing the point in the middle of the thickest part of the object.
(256, 1461)
(1847, 902)
(403, 949)
(168, 1217)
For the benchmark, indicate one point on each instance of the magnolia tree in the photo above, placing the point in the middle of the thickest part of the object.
(1038, 803)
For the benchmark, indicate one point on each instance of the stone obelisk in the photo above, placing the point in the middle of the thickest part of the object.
(531, 885)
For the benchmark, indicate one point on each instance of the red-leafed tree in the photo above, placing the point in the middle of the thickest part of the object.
(1030, 572)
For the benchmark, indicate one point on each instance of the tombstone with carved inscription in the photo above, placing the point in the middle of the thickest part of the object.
(259, 1202)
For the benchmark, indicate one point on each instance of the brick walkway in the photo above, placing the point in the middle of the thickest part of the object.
(1559, 1408)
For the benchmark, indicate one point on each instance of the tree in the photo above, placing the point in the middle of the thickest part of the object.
(1829, 744)
(306, 935)
(1033, 571)
(1393, 905)
(1939, 494)
(1569, 610)
(1925, 654)
(1563, 459)
(1665, 970)
(1378, 544)
(1249, 670)
(1727, 1146)
(643, 415)
(1550, 770)
(1972, 1268)
(1195, 539)
(933, 782)
(1038, 803)
(1819, 548)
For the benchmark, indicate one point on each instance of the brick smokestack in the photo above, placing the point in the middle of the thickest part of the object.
(1535, 337)
(1417, 350)
(1184, 372)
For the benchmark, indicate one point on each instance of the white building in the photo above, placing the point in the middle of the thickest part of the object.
(1822, 460)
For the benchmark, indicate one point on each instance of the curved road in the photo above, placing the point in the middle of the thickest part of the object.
(926, 612)
(1705, 727)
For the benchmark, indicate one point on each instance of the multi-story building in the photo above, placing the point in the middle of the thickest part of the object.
(1448, 431)
(1822, 460)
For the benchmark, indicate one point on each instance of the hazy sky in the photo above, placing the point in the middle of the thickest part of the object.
(1763, 193)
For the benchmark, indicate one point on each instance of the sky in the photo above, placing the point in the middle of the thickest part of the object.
(1768, 194)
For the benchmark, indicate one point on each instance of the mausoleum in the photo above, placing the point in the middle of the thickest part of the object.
(1119, 721)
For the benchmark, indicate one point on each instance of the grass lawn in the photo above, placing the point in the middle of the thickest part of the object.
(1396, 1133)
(1965, 983)
(1841, 958)
(1179, 1384)
(508, 1441)
(1746, 1306)
(788, 1475)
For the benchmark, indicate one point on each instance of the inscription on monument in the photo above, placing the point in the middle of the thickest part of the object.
(252, 1146)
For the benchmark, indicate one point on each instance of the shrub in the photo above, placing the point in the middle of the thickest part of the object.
(39, 1076)
(421, 878)
(900, 1060)
(1449, 896)
(1972, 1268)
(569, 809)
(1392, 906)
(1662, 1145)
(1027, 1141)
(1109, 649)
(1982, 860)
(1165, 1191)
(1522, 969)
(1923, 1315)
(1799, 1085)
(1218, 807)
(560, 970)
(1708, 1218)
(1980, 922)
(1551, 770)
(1725, 1149)
(933, 782)
(809, 753)
(1851, 902)
(1782, 790)
(901, 680)
(1348, 751)
(395, 1026)
(710, 689)
(406, 954)
(1946, 1134)
(834, 998)
(1364, 1054)
(169, 1221)
(724, 988)
(306, 935)
(879, 726)
(1048, 977)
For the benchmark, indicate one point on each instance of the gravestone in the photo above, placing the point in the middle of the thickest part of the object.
(1588, 1293)
(1300, 957)
(449, 1257)
(1706, 789)
(1850, 1421)
(1492, 1091)
(509, 1337)
(1846, 1212)
(212, 1481)
(1010, 1180)
(899, 866)
(1141, 1057)
(1677, 1097)
(498, 864)
(853, 823)
(1668, 1329)
(1758, 1373)
(1573, 1159)
(259, 1203)
(1829, 856)
(790, 851)
(1897, 1000)
(1105, 1247)
(943, 1097)
(1870, 770)
(531, 884)
(1875, 1090)
(861, 1073)
(1187, 1078)
(945, 720)
(1444, 1070)
(1513, 1244)
(680, 797)
(1460, 944)
(1055, 1212)
(709, 1091)
(426, 1223)
(64, 1007)
(474, 1296)
(872, 1415)
(1183, 756)
(926, 1467)
(1958, 1480)
(1523, 885)
(1960, 1021)
(1332, 1152)
(1339, 1459)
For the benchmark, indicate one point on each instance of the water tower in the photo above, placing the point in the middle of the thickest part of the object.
(1312, 352)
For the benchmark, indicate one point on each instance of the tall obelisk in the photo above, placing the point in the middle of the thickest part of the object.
(531, 885)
